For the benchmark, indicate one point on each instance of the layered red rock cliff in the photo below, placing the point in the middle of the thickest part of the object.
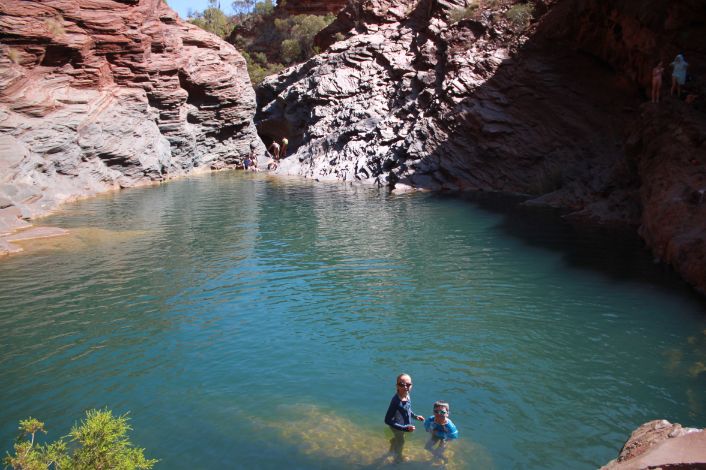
(555, 109)
(103, 94)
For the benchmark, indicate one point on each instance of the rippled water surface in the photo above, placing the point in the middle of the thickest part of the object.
(253, 323)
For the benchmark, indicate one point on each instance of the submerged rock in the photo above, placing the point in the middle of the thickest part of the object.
(550, 105)
(104, 95)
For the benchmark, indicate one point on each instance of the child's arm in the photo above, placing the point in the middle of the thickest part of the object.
(451, 431)
(428, 423)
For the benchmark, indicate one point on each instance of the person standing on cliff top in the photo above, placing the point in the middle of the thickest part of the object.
(399, 416)
(657, 73)
(678, 74)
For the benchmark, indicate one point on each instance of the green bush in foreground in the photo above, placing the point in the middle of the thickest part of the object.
(99, 442)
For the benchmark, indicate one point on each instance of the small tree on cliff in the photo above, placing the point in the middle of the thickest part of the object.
(298, 32)
(264, 7)
(213, 20)
(242, 7)
(99, 442)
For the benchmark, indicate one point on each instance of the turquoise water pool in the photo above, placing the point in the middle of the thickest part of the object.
(249, 322)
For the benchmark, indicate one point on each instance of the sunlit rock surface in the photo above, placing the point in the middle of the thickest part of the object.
(556, 109)
(99, 95)
(661, 444)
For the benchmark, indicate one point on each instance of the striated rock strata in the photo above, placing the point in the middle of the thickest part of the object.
(102, 94)
(553, 108)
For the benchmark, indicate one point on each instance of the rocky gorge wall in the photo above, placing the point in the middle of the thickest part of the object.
(311, 7)
(101, 94)
(555, 109)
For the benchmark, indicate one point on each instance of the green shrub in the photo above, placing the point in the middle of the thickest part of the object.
(290, 51)
(242, 7)
(55, 26)
(459, 14)
(264, 7)
(520, 15)
(260, 58)
(99, 442)
(305, 28)
(13, 55)
(259, 68)
(266, 40)
(283, 25)
(213, 20)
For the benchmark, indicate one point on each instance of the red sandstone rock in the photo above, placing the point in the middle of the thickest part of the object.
(660, 444)
(312, 7)
(100, 94)
(673, 189)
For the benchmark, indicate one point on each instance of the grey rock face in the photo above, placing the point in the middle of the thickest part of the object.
(102, 95)
(405, 97)
(411, 98)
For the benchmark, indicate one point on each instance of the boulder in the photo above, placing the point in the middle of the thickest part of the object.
(661, 444)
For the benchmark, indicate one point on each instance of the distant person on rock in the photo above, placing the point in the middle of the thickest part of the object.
(399, 416)
(678, 74)
(274, 150)
(250, 161)
(283, 151)
(657, 73)
(247, 163)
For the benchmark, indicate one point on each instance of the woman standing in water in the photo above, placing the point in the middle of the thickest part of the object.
(399, 416)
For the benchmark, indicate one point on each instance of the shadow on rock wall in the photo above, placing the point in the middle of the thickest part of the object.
(410, 100)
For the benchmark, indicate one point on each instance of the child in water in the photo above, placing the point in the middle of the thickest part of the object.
(442, 430)
(399, 416)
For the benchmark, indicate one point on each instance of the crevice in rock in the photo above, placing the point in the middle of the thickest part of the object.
(57, 55)
(198, 94)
